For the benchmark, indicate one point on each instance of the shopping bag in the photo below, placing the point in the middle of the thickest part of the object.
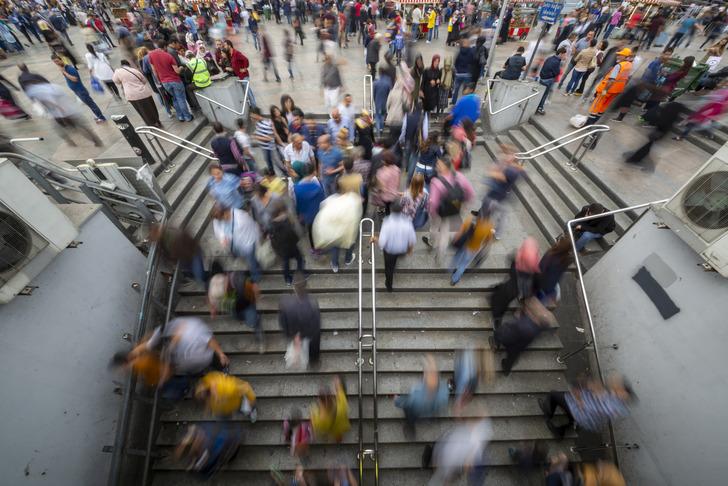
(264, 254)
(297, 354)
(96, 85)
(660, 40)
(577, 121)
(337, 222)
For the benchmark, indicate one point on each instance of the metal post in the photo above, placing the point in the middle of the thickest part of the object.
(491, 52)
(132, 137)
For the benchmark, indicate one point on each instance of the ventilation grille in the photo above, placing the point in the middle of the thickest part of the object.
(705, 202)
(18, 245)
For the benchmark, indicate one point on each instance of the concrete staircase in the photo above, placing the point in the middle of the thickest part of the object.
(424, 314)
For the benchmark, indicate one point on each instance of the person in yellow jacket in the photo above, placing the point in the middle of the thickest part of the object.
(330, 413)
(431, 17)
(198, 68)
(611, 86)
(225, 394)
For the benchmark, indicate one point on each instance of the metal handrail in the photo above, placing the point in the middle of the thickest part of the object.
(369, 100)
(162, 134)
(490, 102)
(583, 131)
(371, 453)
(245, 99)
(587, 307)
(155, 403)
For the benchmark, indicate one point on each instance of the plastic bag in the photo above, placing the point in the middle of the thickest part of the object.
(577, 121)
(96, 85)
(337, 222)
(297, 354)
(264, 254)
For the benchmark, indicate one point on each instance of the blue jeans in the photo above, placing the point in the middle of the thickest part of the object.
(196, 268)
(88, 101)
(574, 81)
(548, 83)
(585, 238)
(379, 120)
(177, 90)
(253, 266)
(460, 263)
(251, 318)
(609, 30)
(287, 266)
(335, 255)
(430, 33)
(460, 79)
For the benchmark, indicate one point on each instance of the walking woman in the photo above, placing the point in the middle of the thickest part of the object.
(99, 67)
(446, 81)
(138, 92)
(431, 85)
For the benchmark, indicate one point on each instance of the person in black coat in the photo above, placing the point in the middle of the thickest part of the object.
(592, 229)
(284, 240)
(299, 314)
(431, 85)
(516, 336)
(553, 264)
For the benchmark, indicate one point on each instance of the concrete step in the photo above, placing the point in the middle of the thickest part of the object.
(401, 341)
(348, 301)
(581, 189)
(497, 476)
(182, 162)
(286, 385)
(349, 282)
(191, 199)
(465, 320)
(201, 218)
(277, 409)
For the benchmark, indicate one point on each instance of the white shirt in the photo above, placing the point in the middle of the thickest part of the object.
(416, 15)
(238, 234)
(242, 138)
(397, 234)
(347, 111)
(292, 155)
(100, 66)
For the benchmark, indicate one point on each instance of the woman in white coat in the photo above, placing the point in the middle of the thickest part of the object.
(100, 68)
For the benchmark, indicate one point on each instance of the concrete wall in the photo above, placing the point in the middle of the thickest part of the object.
(56, 404)
(678, 366)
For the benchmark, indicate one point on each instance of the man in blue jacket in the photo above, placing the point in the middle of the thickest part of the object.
(464, 63)
(547, 77)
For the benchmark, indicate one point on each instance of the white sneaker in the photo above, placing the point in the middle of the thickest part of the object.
(351, 260)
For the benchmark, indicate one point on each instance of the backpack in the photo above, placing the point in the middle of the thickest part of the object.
(238, 155)
(421, 214)
(452, 200)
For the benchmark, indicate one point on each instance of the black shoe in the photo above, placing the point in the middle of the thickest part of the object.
(544, 408)
(427, 242)
(504, 365)
(557, 431)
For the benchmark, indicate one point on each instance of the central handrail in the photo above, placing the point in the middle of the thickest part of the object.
(490, 101)
(369, 94)
(225, 107)
(371, 453)
(587, 307)
(583, 132)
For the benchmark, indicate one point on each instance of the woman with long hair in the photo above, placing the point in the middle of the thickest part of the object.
(416, 72)
(431, 85)
(100, 68)
(287, 107)
(415, 200)
(430, 151)
(138, 92)
(280, 126)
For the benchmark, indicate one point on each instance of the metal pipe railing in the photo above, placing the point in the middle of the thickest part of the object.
(369, 94)
(371, 453)
(180, 142)
(587, 307)
(155, 404)
(541, 150)
(504, 108)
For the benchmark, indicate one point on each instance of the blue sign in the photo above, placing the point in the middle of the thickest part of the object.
(550, 12)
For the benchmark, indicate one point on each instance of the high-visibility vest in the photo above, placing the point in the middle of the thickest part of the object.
(200, 74)
(618, 84)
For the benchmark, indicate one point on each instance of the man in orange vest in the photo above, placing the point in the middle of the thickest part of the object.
(611, 86)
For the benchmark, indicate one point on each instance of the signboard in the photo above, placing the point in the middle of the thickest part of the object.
(550, 11)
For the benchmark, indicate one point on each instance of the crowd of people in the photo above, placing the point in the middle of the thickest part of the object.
(291, 186)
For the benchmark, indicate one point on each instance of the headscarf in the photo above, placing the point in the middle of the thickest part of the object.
(432, 63)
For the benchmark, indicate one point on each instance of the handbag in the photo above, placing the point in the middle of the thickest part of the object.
(96, 85)
(264, 254)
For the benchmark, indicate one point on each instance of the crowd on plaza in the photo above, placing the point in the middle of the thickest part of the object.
(290, 186)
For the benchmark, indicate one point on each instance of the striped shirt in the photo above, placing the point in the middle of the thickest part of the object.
(594, 410)
(264, 128)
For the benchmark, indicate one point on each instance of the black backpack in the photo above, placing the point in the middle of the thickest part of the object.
(452, 200)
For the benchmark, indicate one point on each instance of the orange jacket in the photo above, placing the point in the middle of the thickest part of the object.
(618, 84)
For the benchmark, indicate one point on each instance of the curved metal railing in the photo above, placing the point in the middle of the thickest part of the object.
(368, 103)
(157, 134)
(246, 94)
(372, 344)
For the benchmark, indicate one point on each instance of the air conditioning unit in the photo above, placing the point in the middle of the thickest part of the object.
(32, 231)
(698, 212)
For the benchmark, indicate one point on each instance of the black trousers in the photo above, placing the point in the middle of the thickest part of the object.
(555, 400)
(373, 70)
(390, 262)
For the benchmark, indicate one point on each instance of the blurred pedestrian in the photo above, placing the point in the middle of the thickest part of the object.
(268, 56)
(224, 187)
(592, 229)
(425, 399)
(224, 395)
(330, 413)
(100, 68)
(553, 265)
(73, 80)
(462, 450)
(238, 233)
(396, 238)
(471, 242)
(284, 240)
(206, 448)
(299, 316)
(309, 194)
